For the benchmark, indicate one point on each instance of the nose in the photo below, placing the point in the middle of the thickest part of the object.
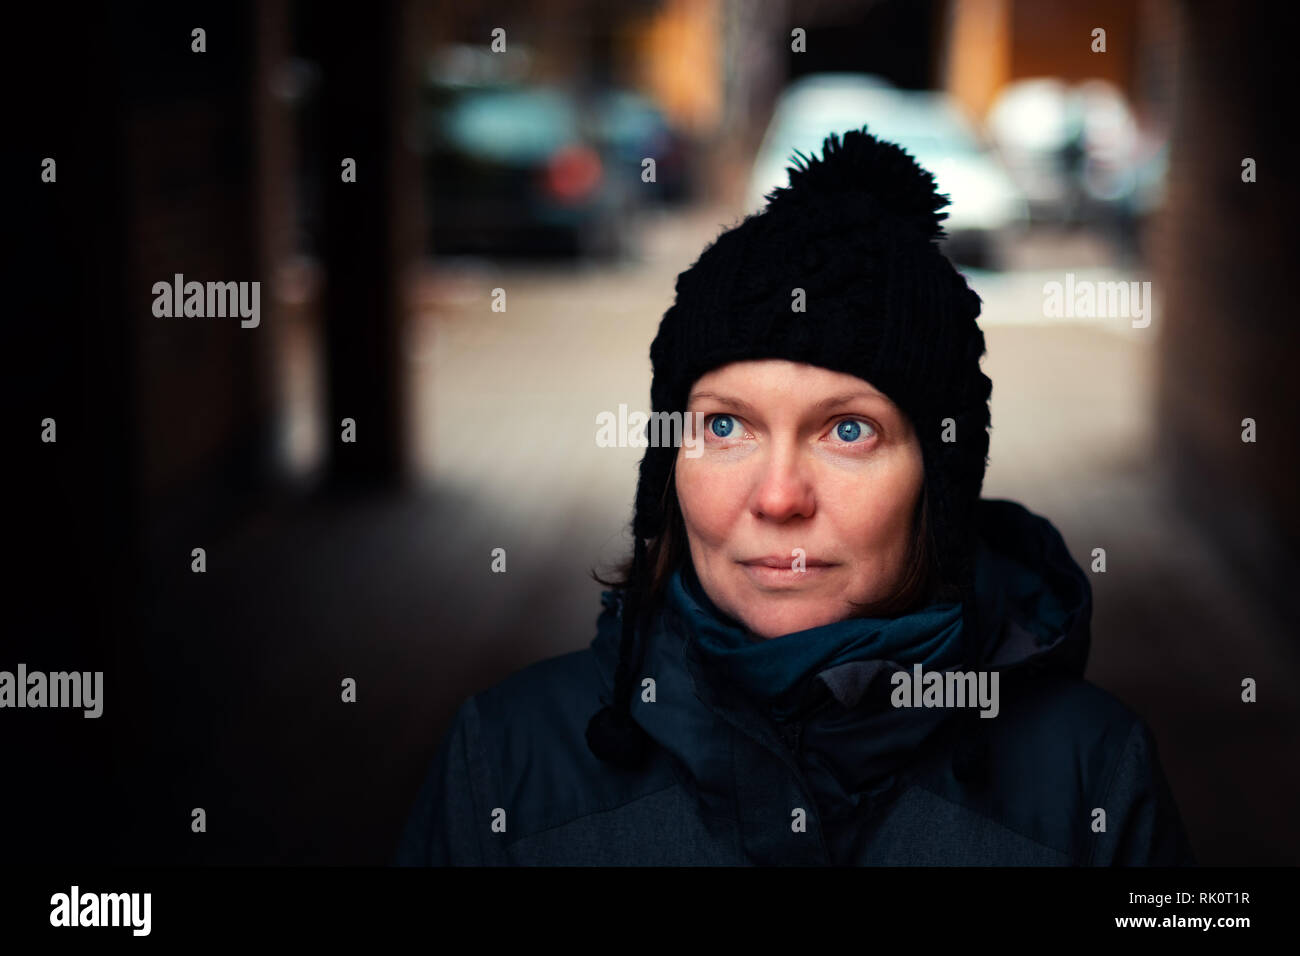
(785, 488)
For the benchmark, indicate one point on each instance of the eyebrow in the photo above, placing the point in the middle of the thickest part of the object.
(826, 404)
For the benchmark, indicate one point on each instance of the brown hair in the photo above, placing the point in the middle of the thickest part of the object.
(920, 586)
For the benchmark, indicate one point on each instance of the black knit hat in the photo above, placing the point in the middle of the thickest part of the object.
(857, 230)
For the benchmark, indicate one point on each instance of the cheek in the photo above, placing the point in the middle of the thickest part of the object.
(710, 500)
(875, 518)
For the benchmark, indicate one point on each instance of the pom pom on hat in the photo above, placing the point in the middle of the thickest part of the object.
(871, 171)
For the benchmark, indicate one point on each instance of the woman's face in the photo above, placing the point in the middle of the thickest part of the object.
(800, 465)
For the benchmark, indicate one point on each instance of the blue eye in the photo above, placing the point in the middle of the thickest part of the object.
(850, 430)
(722, 425)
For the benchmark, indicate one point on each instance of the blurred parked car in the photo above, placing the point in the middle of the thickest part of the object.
(1076, 151)
(512, 168)
(1031, 125)
(985, 203)
(631, 128)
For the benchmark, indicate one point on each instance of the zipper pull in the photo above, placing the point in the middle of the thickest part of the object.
(792, 735)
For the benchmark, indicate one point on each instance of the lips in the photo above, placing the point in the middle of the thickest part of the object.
(784, 563)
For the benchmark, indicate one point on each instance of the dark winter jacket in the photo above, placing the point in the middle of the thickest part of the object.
(1064, 774)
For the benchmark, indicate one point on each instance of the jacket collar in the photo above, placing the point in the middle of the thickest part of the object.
(780, 674)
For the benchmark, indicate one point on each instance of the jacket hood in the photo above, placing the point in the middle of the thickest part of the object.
(1034, 601)
(1033, 611)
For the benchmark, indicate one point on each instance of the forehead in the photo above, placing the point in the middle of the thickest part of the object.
(783, 381)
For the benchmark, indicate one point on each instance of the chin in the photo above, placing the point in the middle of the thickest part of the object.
(775, 618)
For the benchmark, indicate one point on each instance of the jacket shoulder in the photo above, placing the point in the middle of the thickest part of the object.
(1060, 750)
(1061, 718)
(533, 744)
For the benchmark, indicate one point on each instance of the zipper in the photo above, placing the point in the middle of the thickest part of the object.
(792, 727)
(792, 735)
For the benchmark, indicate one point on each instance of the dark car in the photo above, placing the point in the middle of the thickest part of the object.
(515, 169)
(630, 128)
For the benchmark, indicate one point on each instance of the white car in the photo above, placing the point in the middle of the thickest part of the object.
(1077, 151)
(929, 125)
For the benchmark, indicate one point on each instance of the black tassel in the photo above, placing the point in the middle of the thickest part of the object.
(614, 737)
(612, 734)
(970, 756)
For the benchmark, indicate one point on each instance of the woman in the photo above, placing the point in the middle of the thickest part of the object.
(826, 648)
